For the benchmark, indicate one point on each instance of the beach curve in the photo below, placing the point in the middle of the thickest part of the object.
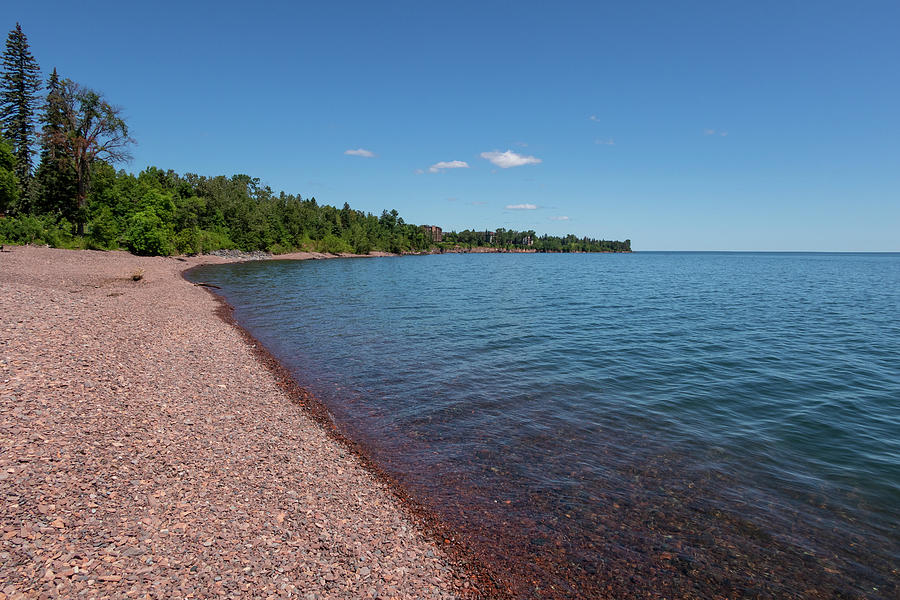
(147, 450)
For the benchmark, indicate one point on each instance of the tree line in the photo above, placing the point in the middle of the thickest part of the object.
(512, 239)
(60, 142)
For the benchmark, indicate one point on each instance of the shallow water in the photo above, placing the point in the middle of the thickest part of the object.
(595, 425)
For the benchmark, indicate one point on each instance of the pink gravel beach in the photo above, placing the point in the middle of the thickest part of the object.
(146, 452)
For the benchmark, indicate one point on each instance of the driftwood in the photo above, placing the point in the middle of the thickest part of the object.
(209, 285)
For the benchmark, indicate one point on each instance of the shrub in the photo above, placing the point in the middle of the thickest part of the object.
(334, 245)
(9, 184)
(305, 244)
(22, 230)
(146, 235)
(103, 230)
(29, 229)
(213, 240)
(187, 241)
(59, 234)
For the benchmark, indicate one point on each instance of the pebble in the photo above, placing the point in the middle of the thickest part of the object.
(147, 452)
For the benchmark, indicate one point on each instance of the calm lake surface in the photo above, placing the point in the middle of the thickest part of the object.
(615, 425)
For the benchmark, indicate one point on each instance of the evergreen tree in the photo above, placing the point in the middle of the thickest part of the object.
(9, 186)
(55, 188)
(19, 88)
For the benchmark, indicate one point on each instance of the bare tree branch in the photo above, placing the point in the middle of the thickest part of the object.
(91, 129)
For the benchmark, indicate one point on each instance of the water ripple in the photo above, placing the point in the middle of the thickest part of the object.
(618, 425)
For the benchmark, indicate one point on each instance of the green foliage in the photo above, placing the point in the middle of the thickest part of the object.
(159, 202)
(162, 212)
(198, 241)
(334, 245)
(82, 130)
(104, 230)
(511, 239)
(187, 241)
(27, 229)
(58, 234)
(147, 235)
(359, 241)
(19, 85)
(9, 183)
(213, 240)
(55, 183)
(31, 229)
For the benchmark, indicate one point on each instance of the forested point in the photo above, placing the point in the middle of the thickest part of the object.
(76, 198)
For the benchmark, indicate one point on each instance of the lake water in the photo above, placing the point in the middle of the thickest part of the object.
(617, 425)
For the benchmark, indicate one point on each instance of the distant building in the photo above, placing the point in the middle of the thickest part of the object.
(528, 241)
(489, 236)
(434, 232)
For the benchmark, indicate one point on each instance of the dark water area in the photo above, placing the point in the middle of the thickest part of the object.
(617, 426)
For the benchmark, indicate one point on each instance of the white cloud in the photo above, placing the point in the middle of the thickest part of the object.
(521, 206)
(606, 142)
(594, 118)
(562, 218)
(714, 132)
(448, 164)
(419, 171)
(360, 152)
(508, 159)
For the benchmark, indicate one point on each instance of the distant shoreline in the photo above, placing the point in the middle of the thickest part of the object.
(240, 255)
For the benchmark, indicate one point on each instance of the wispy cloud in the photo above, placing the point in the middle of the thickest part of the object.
(521, 206)
(360, 152)
(448, 164)
(508, 159)
(477, 203)
(594, 118)
(715, 132)
(605, 142)
(560, 218)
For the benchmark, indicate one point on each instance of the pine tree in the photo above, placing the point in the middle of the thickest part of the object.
(19, 88)
(55, 189)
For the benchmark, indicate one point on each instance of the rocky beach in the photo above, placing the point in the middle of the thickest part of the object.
(147, 452)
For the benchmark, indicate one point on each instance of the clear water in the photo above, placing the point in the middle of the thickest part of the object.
(662, 424)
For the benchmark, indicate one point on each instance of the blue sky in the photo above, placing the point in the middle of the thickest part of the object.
(682, 126)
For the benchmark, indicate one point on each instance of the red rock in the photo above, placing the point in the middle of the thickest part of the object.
(103, 423)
